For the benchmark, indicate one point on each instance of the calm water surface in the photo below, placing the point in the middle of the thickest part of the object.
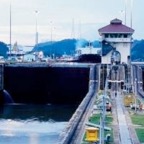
(33, 124)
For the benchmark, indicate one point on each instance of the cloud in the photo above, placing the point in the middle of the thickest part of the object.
(26, 33)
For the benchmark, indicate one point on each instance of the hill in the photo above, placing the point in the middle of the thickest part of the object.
(137, 53)
(3, 49)
(58, 48)
(66, 46)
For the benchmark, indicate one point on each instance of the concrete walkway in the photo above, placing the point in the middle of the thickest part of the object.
(123, 127)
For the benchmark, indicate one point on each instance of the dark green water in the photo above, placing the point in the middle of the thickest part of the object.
(33, 124)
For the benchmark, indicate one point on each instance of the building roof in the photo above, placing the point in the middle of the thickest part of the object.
(116, 26)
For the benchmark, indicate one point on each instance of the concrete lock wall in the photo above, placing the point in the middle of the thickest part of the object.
(69, 133)
(42, 85)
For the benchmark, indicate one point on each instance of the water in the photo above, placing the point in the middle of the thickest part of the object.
(7, 97)
(33, 124)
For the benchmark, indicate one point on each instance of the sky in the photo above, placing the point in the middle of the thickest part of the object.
(61, 19)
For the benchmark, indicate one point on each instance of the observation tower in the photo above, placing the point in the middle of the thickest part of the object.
(116, 41)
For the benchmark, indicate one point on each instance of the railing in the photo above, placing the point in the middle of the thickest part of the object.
(127, 40)
(118, 39)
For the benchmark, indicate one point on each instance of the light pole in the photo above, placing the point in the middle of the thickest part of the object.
(52, 50)
(131, 13)
(51, 31)
(135, 94)
(52, 28)
(125, 10)
(103, 115)
(10, 30)
(122, 14)
(36, 28)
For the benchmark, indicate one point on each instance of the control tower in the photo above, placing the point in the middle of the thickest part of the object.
(116, 42)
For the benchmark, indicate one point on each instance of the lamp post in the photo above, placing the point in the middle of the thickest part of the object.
(10, 29)
(51, 36)
(52, 28)
(131, 13)
(102, 117)
(135, 94)
(122, 14)
(125, 11)
(36, 28)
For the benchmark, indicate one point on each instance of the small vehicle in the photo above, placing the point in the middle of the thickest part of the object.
(134, 106)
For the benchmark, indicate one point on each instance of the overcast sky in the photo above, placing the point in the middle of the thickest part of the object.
(59, 19)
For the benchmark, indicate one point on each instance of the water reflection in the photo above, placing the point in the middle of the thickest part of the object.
(37, 112)
(33, 124)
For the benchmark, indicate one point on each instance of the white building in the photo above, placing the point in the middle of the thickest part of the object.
(116, 42)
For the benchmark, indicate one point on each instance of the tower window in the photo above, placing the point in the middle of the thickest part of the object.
(106, 35)
(125, 35)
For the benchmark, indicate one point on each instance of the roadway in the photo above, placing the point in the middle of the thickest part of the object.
(122, 123)
(119, 116)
